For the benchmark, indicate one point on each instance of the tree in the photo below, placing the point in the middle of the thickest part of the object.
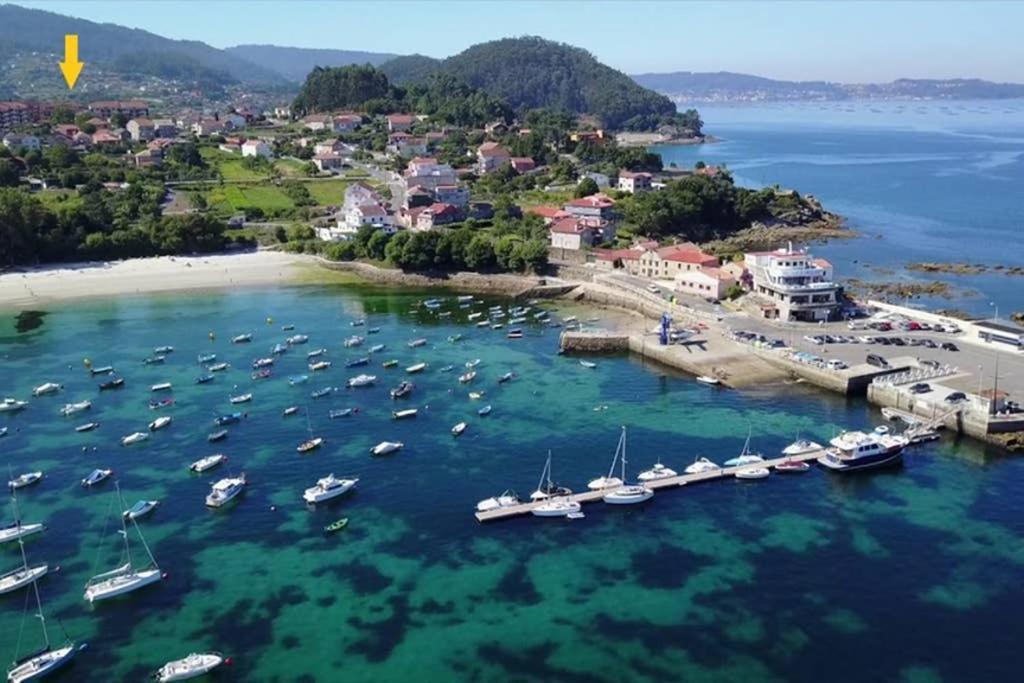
(586, 187)
(280, 234)
(480, 253)
(396, 246)
(376, 248)
(8, 173)
(534, 255)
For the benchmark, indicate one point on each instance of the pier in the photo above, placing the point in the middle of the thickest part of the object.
(589, 496)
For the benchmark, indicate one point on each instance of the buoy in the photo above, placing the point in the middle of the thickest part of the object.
(227, 662)
(273, 508)
(164, 575)
(86, 362)
(270, 321)
(212, 336)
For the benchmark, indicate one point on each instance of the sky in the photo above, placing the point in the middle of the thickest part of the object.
(861, 41)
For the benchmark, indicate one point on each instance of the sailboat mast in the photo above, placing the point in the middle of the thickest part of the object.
(124, 527)
(622, 443)
(545, 473)
(611, 470)
(24, 564)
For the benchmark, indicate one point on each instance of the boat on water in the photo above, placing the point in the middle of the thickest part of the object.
(218, 367)
(486, 410)
(320, 365)
(474, 316)
(264, 373)
(357, 362)
(23, 480)
(372, 330)
(341, 412)
(290, 410)
(920, 434)
(11, 405)
(752, 472)
(404, 414)
(204, 379)
(546, 487)
(468, 377)
(298, 379)
(218, 435)
(453, 338)
(3, 431)
(242, 338)
(518, 320)
(422, 341)
(154, 360)
(163, 349)
(112, 383)
(590, 365)
(358, 322)
(361, 381)
(377, 348)
(708, 379)
(17, 530)
(353, 341)
(464, 298)
(103, 370)
(447, 368)
(74, 408)
(484, 323)
(193, 666)
(160, 423)
(557, 506)
(134, 438)
(792, 466)
(22, 576)
(287, 328)
(609, 481)
(310, 445)
(297, 339)
(505, 500)
(746, 456)
(96, 477)
(389, 364)
(261, 363)
(204, 358)
(162, 403)
(241, 398)
(497, 326)
(208, 463)
(47, 388)
(514, 334)
(279, 348)
(327, 488)
(320, 393)
(658, 471)
(476, 395)
(458, 429)
(141, 509)
(229, 419)
(387, 447)
(851, 451)
(87, 427)
(225, 490)
(316, 353)
(416, 367)
(402, 390)
(801, 447)
(161, 386)
(508, 376)
(626, 494)
(127, 577)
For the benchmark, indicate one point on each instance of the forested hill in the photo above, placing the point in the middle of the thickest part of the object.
(295, 63)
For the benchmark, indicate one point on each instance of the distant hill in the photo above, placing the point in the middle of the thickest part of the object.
(295, 63)
(724, 86)
(410, 68)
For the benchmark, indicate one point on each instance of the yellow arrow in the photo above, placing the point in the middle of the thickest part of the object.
(71, 67)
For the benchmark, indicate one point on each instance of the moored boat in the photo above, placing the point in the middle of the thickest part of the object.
(23, 480)
(416, 367)
(559, 506)
(353, 341)
(403, 414)
(505, 378)
(16, 530)
(208, 463)
(357, 362)
(546, 487)
(225, 490)
(95, 477)
(467, 377)
(261, 363)
(792, 466)
(128, 577)
(361, 381)
(87, 427)
(194, 665)
(134, 438)
(228, 419)
(319, 365)
(218, 435)
(658, 471)
(417, 342)
(74, 408)
(242, 338)
(141, 509)
(377, 348)
(297, 339)
(459, 428)
(320, 393)
(154, 360)
(387, 447)
(505, 500)
(310, 444)
(112, 383)
(162, 403)
(402, 390)
(104, 370)
(218, 367)
(627, 494)
(47, 388)
(316, 353)
(590, 365)
(389, 363)
(852, 451)
(241, 398)
(263, 373)
(708, 379)
(161, 386)
(160, 423)
(327, 488)
(486, 410)
(204, 379)
(11, 405)
(801, 447)
(290, 410)
(341, 412)
(22, 576)
(754, 472)
(298, 379)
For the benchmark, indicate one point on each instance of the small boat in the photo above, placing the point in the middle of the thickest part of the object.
(353, 341)
(224, 491)
(464, 298)
(320, 393)
(518, 320)
(417, 342)
(204, 358)
(497, 326)
(342, 412)
(372, 330)
(208, 463)
(218, 367)
(570, 320)
(361, 381)
(3, 431)
(917, 435)
(159, 423)
(432, 303)
(556, 507)
(16, 530)
(484, 323)
(113, 383)
(476, 395)
(161, 386)
(328, 487)
(467, 377)
(279, 348)
(22, 576)
(73, 408)
(474, 316)
(402, 390)
(228, 419)
(386, 447)
(514, 334)
(87, 427)
(588, 364)
(336, 525)
(241, 398)
(389, 364)
(287, 328)
(357, 362)
(154, 360)
(794, 466)
(297, 339)
(163, 350)
(377, 348)
(44, 389)
(261, 363)
(261, 374)
(626, 494)
(310, 445)
(659, 471)
(23, 480)
(701, 465)
(882, 429)
(134, 438)
(472, 363)
(459, 428)
(416, 367)
(290, 410)
(358, 322)
(218, 435)
(609, 481)
(486, 410)
(505, 378)
(141, 509)
(707, 379)
(162, 403)
(10, 405)
(242, 338)
(455, 338)
(316, 353)
(746, 457)
(447, 368)
(546, 487)
(752, 473)
(801, 447)
(505, 500)
(105, 370)
(193, 666)
(204, 379)
(404, 414)
(298, 379)
(96, 477)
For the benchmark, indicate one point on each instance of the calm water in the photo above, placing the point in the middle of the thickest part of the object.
(922, 181)
(906, 575)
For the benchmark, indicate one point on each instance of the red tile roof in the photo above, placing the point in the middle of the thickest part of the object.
(570, 226)
(685, 254)
(594, 201)
(492, 149)
(548, 212)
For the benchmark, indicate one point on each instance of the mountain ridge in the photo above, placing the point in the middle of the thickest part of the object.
(295, 63)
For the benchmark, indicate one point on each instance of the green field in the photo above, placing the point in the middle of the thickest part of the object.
(234, 198)
(230, 165)
(327, 192)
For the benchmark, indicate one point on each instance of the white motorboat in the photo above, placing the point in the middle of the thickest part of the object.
(791, 466)
(22, 576)
(859, 450)
(11, 405)
(15, 531)
(801, 447)
(361, 381)
(163, 349)
(561, 506)
(279, 348)
(242, 338)
(415, 343)
(44, 389)
(319, 365)
(243, 398)
(23, 480)
(459, 428)
(701, 465)
(127, 577)
(95, 477)
(74, 408)
(467, 377)
(659, 471)
(225, 490)
(208, 463)
(162, 386)
(588, 364)
(404, 414)
(746, 457)
(707, 379)
(133, 438)
(505, 500)
(328, 487)
(261, 363)
(627, 494)
(476, 395)
(316, 353)
(159, 423)
(87, 427)
(416, 367)
(377, 348)
(141, 509)
(386, 447)
(193, 666)
(297, 339)
(290, 410)
(546, 488)
(218, 367)
(353, 341)
(752, 473)
(310, 444)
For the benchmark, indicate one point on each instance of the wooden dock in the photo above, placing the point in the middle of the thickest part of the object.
(589, 496)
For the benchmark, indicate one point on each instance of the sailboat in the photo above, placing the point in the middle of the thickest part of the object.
(608, 482)
(627, 494)
(312, 442)
(48, 659)
(746, 457)
(547, 488)
(127, 577)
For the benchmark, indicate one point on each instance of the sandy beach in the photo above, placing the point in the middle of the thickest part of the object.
(25, 288)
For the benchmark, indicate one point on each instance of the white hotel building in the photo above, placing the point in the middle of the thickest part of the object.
(798, 286)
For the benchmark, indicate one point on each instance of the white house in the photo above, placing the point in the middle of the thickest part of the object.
(331, 161)
(368, 214)
(799, 286)
(707, 282)
(634, 182)
(359, 193)
(257, 148)
(17, 141)
(428, 173)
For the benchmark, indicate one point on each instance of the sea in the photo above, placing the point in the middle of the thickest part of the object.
(920, 181)
(910, 574)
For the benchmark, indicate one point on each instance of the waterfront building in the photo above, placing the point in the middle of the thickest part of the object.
(708, 282)
(574, 233)
(634, 182)
(796, 285)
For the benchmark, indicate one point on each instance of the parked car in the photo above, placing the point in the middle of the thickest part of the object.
(898, 341)
(814, 340)
(929, 344)
(949, 346)
(920, 388)
(877, 361)
(654, 288)
(836, 364)
(956, 397)
(930, 363)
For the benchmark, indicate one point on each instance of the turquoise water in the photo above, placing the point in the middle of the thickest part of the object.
(922, 181)
(906, 575)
